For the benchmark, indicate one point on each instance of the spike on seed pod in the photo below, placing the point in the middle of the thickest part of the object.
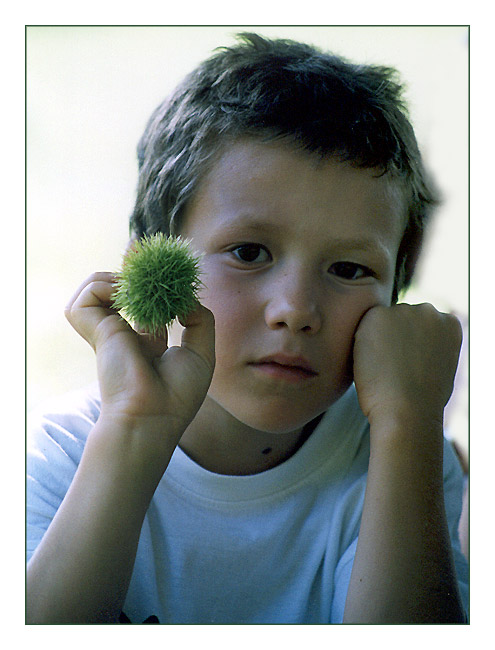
(159, 281)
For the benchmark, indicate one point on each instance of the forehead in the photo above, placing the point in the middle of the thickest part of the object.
(256, 181)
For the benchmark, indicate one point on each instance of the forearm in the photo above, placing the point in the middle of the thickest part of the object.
(81, 570)
(403, 570)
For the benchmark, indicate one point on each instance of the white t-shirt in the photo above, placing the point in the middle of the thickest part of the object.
(273, 547)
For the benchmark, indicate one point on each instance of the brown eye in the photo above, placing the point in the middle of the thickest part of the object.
(350, 270)
(251, 253)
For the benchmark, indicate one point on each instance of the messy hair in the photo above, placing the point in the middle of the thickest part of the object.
(281, 89)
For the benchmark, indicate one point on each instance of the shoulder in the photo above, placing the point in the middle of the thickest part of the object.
(56, 435)
(61, 426)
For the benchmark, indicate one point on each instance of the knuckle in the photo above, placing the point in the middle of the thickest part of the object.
(210, 318)
(427, 309)
(456, 327)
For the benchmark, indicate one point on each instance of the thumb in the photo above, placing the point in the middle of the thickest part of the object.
(199, 334)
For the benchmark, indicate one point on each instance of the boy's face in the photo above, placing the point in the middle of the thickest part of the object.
(296, 250)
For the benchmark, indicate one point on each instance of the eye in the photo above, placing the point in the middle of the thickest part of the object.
(251, 253)
(350, 271)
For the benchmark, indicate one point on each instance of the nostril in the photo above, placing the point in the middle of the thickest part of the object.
(305, 328)
(297, 316)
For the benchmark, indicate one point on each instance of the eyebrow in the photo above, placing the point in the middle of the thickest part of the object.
(256, 226)
(360, 243)
(250, 223)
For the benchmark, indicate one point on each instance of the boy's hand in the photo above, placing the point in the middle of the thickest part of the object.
(144, 384)
(81, 570)
(405, 359)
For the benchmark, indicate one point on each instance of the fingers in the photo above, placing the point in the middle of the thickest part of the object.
(152, 346)
(199, 334)
(91, 304)
(94, 277)
(406, 354)
(90, 312)
(419, 319)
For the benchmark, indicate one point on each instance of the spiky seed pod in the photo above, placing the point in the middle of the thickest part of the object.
(159, 281)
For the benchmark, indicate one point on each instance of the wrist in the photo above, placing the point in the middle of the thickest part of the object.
(137, 450)
(406, 460)
(407, 427)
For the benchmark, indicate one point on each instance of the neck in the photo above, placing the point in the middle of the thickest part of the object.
(220, 443)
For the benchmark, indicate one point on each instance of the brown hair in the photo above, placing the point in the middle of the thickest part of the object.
(273, 89)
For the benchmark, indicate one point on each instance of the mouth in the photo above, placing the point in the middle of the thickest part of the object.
(287, 368)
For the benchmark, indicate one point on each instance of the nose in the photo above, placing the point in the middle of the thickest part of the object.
(293, 304)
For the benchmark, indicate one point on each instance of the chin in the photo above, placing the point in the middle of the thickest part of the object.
(275, 412)
(281, 419)
(276, 426)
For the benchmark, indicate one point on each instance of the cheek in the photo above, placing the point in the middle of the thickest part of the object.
(347, 314)
(344, 320)
(232, 319)
(233, 307)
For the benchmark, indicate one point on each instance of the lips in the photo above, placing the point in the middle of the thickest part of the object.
(283, 366)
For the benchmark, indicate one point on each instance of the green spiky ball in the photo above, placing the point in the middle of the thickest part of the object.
(159, 282)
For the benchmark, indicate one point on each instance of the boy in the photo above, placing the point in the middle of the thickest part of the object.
(294, 471)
